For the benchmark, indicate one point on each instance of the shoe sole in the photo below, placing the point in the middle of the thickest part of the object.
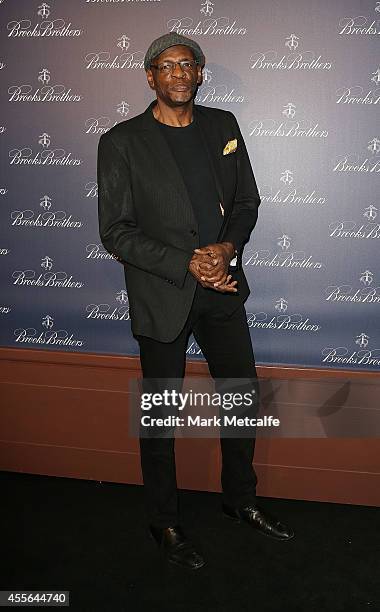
(268, 535)
(172, 561)
(185, 566)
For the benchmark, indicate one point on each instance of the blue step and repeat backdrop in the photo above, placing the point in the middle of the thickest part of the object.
(303, 79)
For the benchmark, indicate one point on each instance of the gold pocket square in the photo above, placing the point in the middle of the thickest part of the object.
(230, 147)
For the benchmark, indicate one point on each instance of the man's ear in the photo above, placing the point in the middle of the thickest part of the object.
(200, 75)
(150, 79)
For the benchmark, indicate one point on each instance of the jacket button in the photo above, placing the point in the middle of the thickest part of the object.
(193, 232)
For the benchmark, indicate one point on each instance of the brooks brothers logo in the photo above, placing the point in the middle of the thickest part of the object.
(358, 231)
(44, 157)
(214, 93)
(356, 93)
(193, 349)
(290, 127)
(360, 163)
(208, 25)
(29, 335)
(124, 58)
(97, 251)
(59, 280)
(47, 218)
(362, 356)
(46, 92)
(4, 251)
(120, 1)
(114, 313)
(271, 60)
(283, 320)
(5, 309)
(99, 125)
(285, 258)
(290, 195)
(360, 25)
(367, 294)
(3, 191)
(43, 26)
(91, 189)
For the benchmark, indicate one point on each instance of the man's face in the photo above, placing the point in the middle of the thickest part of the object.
(178, 87)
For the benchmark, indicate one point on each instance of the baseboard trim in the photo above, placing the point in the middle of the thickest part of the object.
(64, 414)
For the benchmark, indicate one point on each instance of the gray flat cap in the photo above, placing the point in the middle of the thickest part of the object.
(169, 40)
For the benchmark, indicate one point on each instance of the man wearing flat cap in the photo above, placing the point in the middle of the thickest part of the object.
(177, 203)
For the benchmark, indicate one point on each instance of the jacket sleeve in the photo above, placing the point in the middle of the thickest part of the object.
(118, 229)
(247, 200)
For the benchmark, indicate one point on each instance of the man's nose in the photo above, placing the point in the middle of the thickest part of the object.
(178, 71)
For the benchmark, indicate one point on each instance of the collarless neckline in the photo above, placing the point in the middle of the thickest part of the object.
(175, 127)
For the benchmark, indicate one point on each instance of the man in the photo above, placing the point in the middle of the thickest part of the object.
(177, 202)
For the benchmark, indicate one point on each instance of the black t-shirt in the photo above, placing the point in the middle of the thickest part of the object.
(191, 157)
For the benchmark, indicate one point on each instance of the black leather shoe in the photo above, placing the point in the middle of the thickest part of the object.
(260, 520)
(176, 547)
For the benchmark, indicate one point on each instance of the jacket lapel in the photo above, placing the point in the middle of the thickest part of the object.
(211, 143)
(206, 128)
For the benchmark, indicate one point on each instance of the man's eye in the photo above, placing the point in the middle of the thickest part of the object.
(166, 66)
(186, 64)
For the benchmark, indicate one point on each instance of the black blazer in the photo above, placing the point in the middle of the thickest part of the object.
(146, 220)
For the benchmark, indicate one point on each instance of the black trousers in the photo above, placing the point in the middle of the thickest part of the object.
(226, 344)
